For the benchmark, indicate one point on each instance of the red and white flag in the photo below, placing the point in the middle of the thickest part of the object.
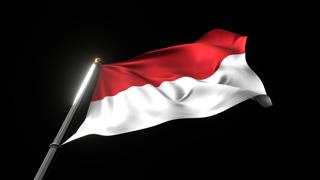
(193, 80)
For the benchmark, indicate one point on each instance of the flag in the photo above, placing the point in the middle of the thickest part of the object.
(193, 80)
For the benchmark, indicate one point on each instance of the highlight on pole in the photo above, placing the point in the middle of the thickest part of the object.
(86, 80)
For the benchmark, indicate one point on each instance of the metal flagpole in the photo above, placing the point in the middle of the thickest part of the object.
(57, 141)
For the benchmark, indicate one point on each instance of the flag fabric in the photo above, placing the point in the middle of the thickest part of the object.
(193, 80)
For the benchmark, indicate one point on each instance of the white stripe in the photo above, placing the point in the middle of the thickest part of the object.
(141, 107)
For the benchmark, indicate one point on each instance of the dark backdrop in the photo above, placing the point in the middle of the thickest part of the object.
(51, 46)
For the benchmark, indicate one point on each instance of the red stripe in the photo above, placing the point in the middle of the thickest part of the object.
(198, 60)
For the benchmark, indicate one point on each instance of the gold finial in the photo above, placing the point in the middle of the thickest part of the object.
(97, 60)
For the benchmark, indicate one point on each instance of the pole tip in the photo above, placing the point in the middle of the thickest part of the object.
(97, 60)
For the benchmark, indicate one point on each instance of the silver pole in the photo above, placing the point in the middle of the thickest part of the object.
(57, 140)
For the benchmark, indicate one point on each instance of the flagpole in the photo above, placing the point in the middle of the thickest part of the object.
(53, 147)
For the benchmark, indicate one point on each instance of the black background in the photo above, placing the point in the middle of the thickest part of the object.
(51, 46)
